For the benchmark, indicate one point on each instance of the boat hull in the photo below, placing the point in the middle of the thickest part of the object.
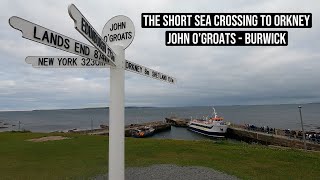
(141, 133)
(207, 133)
(142, 136)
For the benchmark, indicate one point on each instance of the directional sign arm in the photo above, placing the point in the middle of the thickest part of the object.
(83, 26)
(142, 70)
(80, 62)
(64, 62)
(51, 38)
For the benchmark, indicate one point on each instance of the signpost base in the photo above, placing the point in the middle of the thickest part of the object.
(116, 114)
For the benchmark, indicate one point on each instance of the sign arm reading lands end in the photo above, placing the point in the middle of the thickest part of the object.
(51, 38)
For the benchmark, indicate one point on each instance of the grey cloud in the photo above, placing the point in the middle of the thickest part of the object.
(206, 75)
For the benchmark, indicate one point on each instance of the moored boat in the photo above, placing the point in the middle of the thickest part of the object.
(213, 126)
(141, 132)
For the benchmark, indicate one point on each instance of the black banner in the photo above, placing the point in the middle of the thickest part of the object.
(226, 20)
(226, 38)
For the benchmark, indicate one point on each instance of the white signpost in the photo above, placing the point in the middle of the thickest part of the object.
(118, 33)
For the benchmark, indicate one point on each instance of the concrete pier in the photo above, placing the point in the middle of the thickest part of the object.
(177, 122)
(269, 139)
(157, 125)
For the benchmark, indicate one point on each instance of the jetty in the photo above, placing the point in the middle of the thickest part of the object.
(276, 139)
(158, 126)
(177, 122)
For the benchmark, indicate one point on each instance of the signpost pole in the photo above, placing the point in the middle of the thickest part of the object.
(116, 114)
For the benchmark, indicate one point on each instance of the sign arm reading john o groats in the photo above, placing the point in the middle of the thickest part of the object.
(119, 30)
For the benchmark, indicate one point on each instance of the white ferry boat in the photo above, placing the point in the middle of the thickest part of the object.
(213, 126)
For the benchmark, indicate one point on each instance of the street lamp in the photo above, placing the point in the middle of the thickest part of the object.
(303, 134)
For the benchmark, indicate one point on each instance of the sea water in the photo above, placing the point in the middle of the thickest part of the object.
(274, 116)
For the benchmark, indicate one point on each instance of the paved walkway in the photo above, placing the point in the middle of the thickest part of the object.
(172, 172)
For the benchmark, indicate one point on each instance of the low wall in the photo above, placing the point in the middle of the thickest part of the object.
(269, 139)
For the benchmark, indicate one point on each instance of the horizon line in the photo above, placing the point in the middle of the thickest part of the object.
(78, 108)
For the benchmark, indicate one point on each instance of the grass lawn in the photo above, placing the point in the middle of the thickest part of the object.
(85, 156)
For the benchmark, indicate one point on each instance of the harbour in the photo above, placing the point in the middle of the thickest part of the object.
(171, 123)
(278, 137)
(284, 116)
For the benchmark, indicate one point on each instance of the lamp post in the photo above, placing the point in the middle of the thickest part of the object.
(303, 134)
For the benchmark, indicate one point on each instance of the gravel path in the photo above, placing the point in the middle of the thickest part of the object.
(171, 172)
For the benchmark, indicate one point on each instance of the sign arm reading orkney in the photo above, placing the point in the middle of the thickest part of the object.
(47, 37)
(142, 70)
(83, 26)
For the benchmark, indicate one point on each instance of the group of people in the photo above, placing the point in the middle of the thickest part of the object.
(312, 136)
(265, 129)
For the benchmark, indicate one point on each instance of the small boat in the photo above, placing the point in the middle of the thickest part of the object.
(102, 126)
(141, 132)
(213, 126)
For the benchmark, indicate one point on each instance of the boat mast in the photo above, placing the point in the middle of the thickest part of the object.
(214, 112)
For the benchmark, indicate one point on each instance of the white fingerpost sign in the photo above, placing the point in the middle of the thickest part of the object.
(64, 62)
(83, 26)
(119, 30)
(142, 70)
(108, 51)
(81, 62)
(51, 38)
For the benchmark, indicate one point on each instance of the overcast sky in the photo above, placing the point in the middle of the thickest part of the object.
(205, 75)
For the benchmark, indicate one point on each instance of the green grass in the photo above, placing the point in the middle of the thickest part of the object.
(86, 156)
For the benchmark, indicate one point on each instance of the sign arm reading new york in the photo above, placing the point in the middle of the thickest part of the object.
(83, 26)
